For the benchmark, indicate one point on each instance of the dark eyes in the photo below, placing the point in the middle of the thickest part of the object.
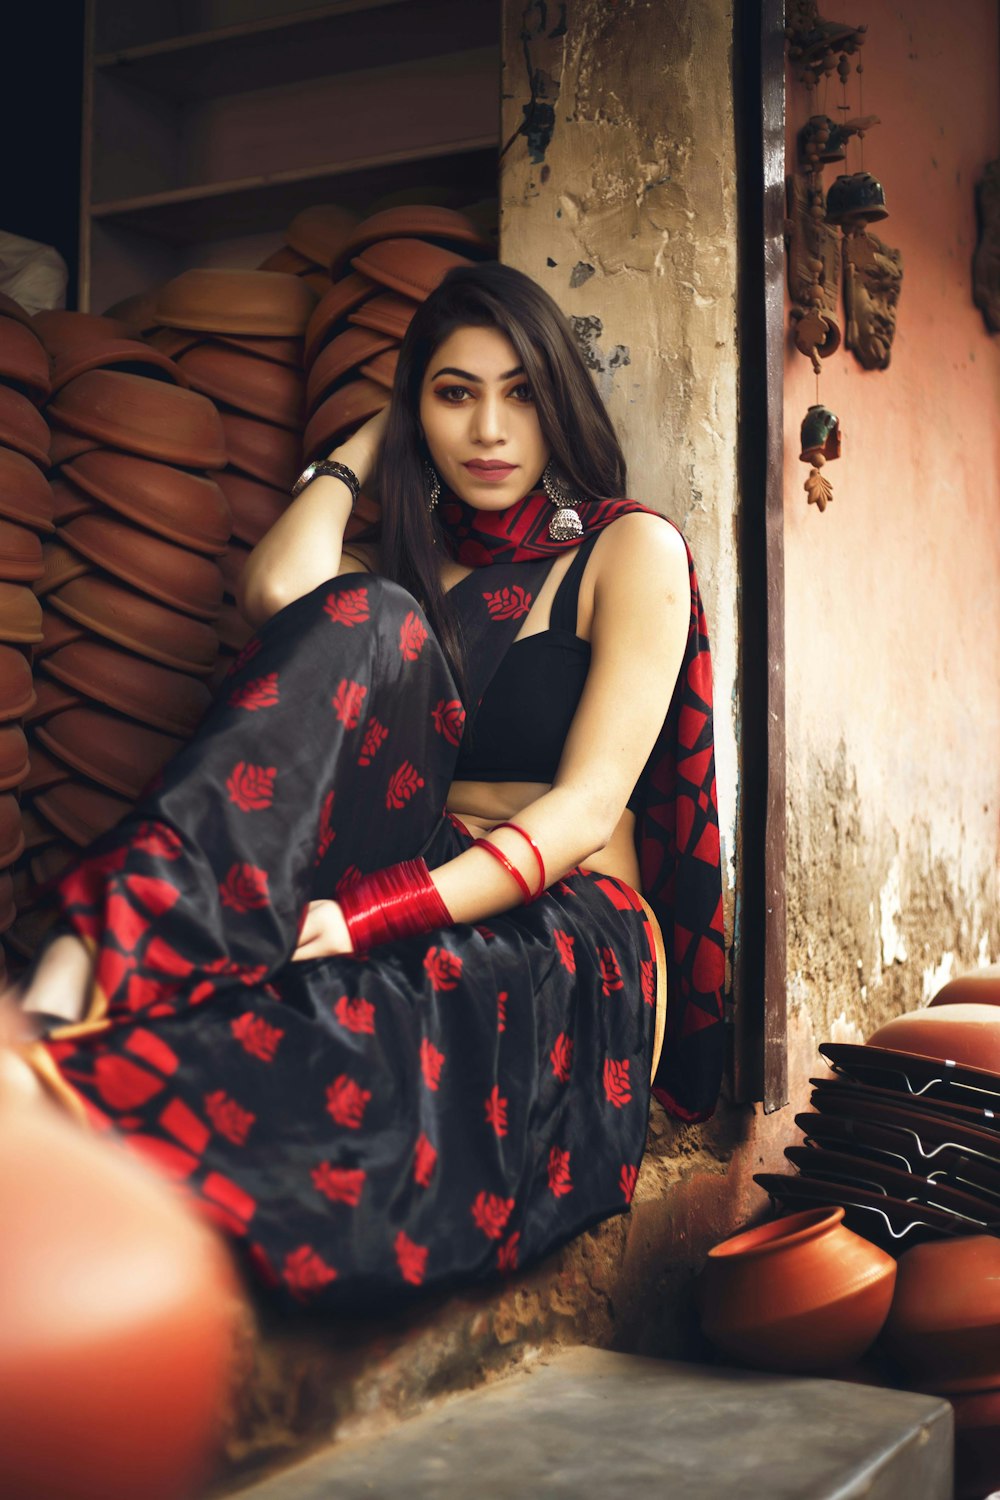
(455, 395)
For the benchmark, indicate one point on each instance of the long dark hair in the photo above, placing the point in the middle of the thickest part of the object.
(575, 425)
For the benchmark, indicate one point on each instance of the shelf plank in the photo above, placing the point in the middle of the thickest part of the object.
(329, 39)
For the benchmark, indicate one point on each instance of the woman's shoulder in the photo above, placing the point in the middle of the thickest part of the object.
(642, 540)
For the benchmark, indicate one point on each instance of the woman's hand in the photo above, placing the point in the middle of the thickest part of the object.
(361, 449)
(323, 933)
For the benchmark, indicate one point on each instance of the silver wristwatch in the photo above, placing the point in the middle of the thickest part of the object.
(335, 470)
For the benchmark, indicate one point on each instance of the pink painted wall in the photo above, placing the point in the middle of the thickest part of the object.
(893, 594)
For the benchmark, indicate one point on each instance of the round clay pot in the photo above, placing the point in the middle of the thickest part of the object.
(20, 615)
(68, 500)
(61, 564)
(977, 1444)
(50, 698)
(281, 351)
(14, 761)
(234, 632)
(25, 495)
(255, 507)
(944, 1326)
(342, 298)
(10, 308)
(137, 313)
(8, 907)
(258, 387)
(126, 1267)
(320, 232)
(23, 360)
(422, 221)
(138, 623)
(65, 445)
(231, 567)
(382, 369)
(53, 325)
(288, 260)
(186, 508)
(155, 695)
(341, 414)
(81, 812)
(143, 416)
(261, 450)
(76, 348)
(411, 267)
(22, 426)
(317, 281)
(980, 987)
(112, 750)
(11, 833)
(37, 831)
(258, 303)
(339, 357)
(17, 694)
(45, 771)
(173, 341)
(385, 313)
(799, 1293)
(173, 575)
(20, 553)
(962, 1033)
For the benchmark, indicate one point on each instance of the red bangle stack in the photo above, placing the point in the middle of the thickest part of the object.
(396, 902)
(509, 866)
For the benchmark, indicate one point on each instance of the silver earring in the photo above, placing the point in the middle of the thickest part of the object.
(565, 525)
(433, 484)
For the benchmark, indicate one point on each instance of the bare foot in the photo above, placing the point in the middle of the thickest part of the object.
(60, 982)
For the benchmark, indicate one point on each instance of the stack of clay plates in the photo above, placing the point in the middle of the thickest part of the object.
(312, 240)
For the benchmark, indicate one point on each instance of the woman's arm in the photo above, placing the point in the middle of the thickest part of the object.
(303, 547)
(642, 605)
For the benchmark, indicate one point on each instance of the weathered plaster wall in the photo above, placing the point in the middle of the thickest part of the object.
(893, 593)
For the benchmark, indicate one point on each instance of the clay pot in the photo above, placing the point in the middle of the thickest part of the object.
(22, 426)
(60, 565)
(45, 771)
(411, 267)
(76, 348)
(68, 500)
(173, 575)
(980, 987)
(259, 387)
(137, 313)
(288, 260)
(143, 416)
(57, 631)
(385, 313)
(14, 763)
(8, 908)
(258, 303)
(339, 357)
(281, 351)
(37, 831)
(342, 298)
(422, 221)
(20, 615)
(963, 1033)
(25, 495)
(112, 750)
(50, 698)
(10, 308)
(11, 834)
(20, 553)
(382, 369)
(81, 812)
(186, 508)
(317, 281)
(877, 1176)
(55, 324)
(63, 444)
(800, 1293)
(173, 341)
(23, 360)
(17, 695)
(321, 232)
(340, 414)
(977, 1444)
(271, 454)
(944, 1326)
(138, 623)
(255, 507)
(155, 695)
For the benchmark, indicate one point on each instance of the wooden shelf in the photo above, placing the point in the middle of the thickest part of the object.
(326, 40)
(252, 205)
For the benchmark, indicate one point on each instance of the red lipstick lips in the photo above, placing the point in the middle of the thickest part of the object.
(489, 469)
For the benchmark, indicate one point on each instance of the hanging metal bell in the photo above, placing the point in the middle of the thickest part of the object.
(856, 198)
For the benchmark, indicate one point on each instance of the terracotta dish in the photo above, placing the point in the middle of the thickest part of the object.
(888, 1222)
(9, 308)
(37, 831)
(73, 353)
(842, 1097)
(50, 863)
(63, 444)
(186, 508)
(68, 500)
(320, 232)
(25, 495)
(341, 414)
(11, 833)
(801, 1293)
(14, 763)
(256, 386)
(50, 698)
(173, 341)
(342, 298)
(288, 260)
(271, 454)
(144, 416)
(258, 303)
(20, 553)
(411, 267)
(965, 1033)
(132, 620)
(8, 909)
(818, 1162)
(944, 1326)
(112, 750)
(81, 812)
(61, 564)
(45, 771)
(172, 574)
(254, 506)
(339, 357)
(54, 324)
(143, 690)
(20, 615)
(385, 313)
(288, 351)
(382, 369)
(915, 1073)
(138, 312)
(980, 987)
(317, 281)
(56, 630)
(413, 221)
(955, 1154)
(22, 426)
(23, 360)
(231, 566)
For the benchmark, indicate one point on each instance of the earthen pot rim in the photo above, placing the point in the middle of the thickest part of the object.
(779, 1234)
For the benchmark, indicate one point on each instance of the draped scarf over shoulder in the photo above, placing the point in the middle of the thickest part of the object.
(677, 818)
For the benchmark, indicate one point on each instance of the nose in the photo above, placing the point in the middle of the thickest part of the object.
(488, 422)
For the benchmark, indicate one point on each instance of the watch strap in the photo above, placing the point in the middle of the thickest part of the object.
(335, 470)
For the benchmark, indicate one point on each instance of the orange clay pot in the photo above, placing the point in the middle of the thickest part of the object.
(343, 297)
(981, 987)
(963, 1033)
(944, 1327)
(799, 1293)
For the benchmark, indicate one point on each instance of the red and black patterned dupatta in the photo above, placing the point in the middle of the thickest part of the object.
(677, 820)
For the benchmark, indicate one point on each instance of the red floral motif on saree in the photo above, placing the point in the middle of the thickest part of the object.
(229, 1118)
(251, 787)
(564, 947)
(560, 1182)
(411, 1258)
(647, 979)
(616, 1082)
(508, 604)
(561, 1057)
(244, 888)
(349, 607)
(507, 1253)
(157, 839)
(339, 1184)
(431, 1063)
(350, 877)
(305, 1271)
(491, 1213)
(375, 737)
(404, 782)
(502, 1011)
(448, 717)
(346, 1101)
(355, 1014)
(412, 635)
(611, 974)
(347, 702)
(256, 1036)
(424, 1161)
(496, 1110)
(262, 692)
(327, 832)
(247, 654)
(627, 1180)
(444, 968)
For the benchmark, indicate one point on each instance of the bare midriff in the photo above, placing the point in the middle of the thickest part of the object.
(482, 804)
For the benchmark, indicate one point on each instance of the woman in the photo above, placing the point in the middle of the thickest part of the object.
(382, 994)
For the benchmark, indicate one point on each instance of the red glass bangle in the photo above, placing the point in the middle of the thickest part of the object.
(396, 902)
(499, 855)
(534, 849)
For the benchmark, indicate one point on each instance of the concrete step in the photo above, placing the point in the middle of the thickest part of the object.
(588, 1423)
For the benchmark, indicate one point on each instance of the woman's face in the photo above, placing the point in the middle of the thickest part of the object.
(479, 419)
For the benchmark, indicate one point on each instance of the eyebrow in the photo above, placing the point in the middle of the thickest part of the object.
(475, 379)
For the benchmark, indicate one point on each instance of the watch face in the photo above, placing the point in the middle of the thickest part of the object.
(307, 473)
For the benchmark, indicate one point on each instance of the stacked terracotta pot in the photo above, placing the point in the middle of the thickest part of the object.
(237, 337)
(312, 240)
(25, 518)
(129, 591)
